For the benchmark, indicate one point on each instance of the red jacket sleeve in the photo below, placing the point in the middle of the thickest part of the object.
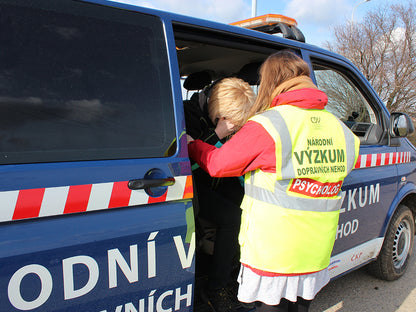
(250, 148)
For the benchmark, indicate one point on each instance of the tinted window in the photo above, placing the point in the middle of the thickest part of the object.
(347, 102)
(82, 82)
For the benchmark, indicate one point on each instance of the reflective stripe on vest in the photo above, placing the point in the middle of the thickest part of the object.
(279, 198)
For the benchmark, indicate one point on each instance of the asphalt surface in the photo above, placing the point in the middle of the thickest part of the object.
(360, 292)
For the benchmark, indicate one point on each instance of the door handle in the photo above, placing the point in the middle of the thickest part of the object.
(138, 184)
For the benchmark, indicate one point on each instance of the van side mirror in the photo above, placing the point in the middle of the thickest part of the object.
(400, 125)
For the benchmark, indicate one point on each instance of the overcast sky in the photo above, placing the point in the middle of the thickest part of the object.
(315, 17)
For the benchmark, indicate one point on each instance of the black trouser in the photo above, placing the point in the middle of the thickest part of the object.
(301, 305)
(222, 207)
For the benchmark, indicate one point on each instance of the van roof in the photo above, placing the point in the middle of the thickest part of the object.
(184, 20)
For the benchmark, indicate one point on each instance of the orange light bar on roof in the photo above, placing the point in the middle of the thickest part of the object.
(265, 20)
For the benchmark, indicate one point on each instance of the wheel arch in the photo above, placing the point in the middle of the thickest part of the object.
(406, 196)
(410, 201)
(398, 237)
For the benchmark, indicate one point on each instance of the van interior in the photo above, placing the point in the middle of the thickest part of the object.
(203, 58)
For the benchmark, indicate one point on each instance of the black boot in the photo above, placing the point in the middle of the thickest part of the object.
(225, 300)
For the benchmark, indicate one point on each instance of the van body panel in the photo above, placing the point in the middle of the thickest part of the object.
(75, 236)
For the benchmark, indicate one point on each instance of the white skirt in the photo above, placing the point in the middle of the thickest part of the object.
(270, 289)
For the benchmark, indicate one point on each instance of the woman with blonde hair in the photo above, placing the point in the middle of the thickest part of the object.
(231, 99)
(292, 199)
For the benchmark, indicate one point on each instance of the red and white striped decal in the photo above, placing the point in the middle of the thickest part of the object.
(382, 159)
(33, 203)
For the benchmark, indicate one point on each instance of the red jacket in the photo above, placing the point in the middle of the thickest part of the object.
(251, 147)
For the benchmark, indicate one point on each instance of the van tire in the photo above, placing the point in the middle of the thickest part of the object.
(397, 248)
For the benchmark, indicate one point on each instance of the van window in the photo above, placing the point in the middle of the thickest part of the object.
(87, 85)
(347, 102)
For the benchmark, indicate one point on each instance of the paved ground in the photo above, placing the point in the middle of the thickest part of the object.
(360, 292)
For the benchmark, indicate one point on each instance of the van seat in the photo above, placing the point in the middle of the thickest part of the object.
(197, 81)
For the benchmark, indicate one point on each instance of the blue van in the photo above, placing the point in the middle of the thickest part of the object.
(96, 194)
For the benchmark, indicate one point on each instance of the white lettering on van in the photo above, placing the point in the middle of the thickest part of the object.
(129, 267)
(353, 199)
(68, 275)
(362, 200)
(159, 303)
(15, 296)
(180, 299)
(186, 260)
(151, 301)
(365, 197)
(151, 255)
(186, 296)
(348, 228)
(374, 194)
(130, 272)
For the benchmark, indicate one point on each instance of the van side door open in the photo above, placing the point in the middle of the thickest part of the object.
(95, 190)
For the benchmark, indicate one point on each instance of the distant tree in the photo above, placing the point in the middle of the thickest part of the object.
(383, 47)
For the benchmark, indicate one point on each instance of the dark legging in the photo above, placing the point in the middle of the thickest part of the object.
(224, 211)
(301, 305)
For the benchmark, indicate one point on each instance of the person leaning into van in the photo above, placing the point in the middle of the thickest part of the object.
(219, 200)
(292, 197)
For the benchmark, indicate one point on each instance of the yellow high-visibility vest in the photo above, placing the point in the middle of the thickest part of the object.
(290, 217)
